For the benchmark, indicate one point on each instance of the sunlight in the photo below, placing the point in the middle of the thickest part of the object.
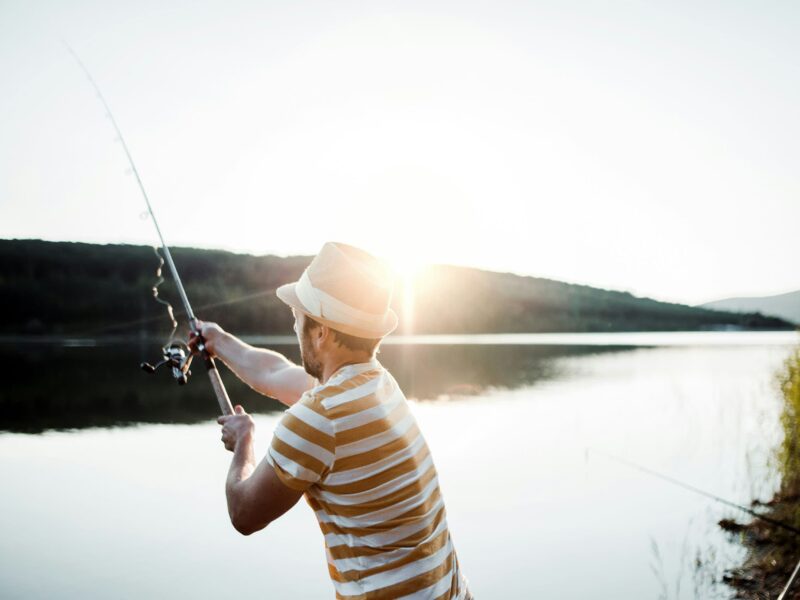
(407, 266)
(407, 269)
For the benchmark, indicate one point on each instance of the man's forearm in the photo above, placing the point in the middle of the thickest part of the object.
(243, 462)
(252, 365)
(242, 466)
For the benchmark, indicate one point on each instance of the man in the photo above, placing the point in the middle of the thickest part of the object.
(348, 441)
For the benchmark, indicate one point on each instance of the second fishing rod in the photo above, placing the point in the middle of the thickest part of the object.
(175, 354)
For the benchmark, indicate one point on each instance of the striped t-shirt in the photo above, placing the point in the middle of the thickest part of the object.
(354, 447)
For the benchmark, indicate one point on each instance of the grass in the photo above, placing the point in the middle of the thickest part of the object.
(773, 552)
(788, 454)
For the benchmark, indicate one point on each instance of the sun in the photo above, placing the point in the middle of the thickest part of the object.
(407, 266)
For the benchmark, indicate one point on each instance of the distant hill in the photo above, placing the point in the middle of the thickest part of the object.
(75, 289)
(786, 306)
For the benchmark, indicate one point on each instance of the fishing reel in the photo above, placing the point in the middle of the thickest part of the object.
(178, 356)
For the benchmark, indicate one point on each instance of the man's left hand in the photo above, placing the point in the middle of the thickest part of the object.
(236, 428)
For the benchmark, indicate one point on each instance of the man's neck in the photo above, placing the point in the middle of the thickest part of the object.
(335, 363)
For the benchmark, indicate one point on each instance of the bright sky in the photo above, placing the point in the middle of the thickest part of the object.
(641, 146)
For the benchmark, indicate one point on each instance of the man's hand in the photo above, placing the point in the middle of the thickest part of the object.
(236, 428)
(211, 333)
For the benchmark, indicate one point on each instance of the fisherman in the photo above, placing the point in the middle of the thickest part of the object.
(348, 440)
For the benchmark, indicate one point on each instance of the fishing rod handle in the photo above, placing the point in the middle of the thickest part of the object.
(213, 374)
(216, 383)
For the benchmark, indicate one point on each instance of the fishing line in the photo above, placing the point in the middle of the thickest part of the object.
(159, 281)
(696, 490)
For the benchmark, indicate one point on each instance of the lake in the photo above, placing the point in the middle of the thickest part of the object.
(113, 480)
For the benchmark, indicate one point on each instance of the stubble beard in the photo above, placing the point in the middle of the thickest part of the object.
(310, 363)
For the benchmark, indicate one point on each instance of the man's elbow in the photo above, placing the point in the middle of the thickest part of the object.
(247, 525)
(243, 528)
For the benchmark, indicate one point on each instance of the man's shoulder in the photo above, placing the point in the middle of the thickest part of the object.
(350, 390)
(309, 400)
(349, 378)
(309, 411)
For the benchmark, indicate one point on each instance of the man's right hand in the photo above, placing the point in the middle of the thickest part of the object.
(211, 333)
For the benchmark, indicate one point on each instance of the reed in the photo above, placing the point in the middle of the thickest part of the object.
(788, 453)
(773, 552)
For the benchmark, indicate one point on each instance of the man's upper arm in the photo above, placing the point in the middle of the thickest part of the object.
(288, 383)
(261, 499)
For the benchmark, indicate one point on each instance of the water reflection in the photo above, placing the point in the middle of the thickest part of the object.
(55, 387)
(428, 372)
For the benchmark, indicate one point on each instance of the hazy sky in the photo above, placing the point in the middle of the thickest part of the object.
(642, 146)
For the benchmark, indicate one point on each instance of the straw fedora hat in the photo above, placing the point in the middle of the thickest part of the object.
(347, 289)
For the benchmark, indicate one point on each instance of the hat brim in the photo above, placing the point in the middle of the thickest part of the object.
(288, 295)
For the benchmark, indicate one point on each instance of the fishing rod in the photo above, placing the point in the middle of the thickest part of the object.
(175, 354)
(789, 583)
(697, 490)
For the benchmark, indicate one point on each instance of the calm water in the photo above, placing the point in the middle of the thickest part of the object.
(113, 481)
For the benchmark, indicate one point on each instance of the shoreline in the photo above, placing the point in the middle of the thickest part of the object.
(779, 337)
(773, 552)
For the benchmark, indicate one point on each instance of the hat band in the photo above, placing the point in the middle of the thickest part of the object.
(325, 306)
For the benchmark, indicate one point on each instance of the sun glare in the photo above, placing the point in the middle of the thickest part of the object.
(406, 266)
(407, 269)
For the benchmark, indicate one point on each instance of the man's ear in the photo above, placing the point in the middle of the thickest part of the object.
(323, 333)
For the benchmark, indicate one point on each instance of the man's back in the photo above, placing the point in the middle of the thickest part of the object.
(354, 447)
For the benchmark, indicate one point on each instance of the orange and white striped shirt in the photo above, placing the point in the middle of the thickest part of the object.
(354, 447)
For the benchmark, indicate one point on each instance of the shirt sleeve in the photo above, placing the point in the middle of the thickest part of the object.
(303, 445)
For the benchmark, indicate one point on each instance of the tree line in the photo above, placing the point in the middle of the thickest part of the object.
(77, 289)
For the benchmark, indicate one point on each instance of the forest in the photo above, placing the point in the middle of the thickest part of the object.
(77, 289)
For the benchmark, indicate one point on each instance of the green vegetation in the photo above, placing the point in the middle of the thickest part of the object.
(62, 288)
(86, 289)
(772, 551)
(789, 450)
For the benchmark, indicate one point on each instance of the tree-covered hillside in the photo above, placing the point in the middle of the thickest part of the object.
(66, 288)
